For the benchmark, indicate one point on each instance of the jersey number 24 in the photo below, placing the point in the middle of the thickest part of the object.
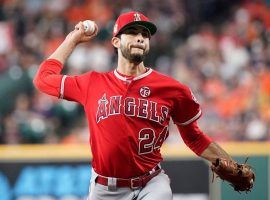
(148, 142)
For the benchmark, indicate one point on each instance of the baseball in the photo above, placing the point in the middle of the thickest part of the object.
(89, 27)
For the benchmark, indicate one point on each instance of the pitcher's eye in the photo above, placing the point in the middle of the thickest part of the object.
(146, 34)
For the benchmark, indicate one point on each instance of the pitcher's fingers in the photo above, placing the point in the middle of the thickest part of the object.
(87, 38)
(79, 26)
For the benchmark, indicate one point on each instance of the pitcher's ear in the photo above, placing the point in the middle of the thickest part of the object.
(116, 42)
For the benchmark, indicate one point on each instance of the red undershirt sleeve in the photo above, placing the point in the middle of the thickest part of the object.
(50, 81)
(48, 78)
(194, 138)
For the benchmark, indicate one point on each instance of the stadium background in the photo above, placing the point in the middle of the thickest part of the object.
(220, 48)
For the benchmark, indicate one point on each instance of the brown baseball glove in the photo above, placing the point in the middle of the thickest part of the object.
(240, 176)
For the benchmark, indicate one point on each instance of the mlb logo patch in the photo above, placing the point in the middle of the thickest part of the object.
(115, 28)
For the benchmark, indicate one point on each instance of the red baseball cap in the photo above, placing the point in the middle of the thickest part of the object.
(133, 18)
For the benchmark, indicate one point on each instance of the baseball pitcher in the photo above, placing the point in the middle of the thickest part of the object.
(128, 111)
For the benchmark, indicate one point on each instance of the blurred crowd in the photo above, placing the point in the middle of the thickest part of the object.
(219, 48)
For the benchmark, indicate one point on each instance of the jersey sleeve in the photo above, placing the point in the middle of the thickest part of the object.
(75, 88)
(50, 81)
(186, 108)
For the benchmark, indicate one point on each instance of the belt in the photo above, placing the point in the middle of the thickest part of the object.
(133, 183)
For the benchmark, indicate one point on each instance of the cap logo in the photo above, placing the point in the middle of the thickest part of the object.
(145, 91)
(137, 17)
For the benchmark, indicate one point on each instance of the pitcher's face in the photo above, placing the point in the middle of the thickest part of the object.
(134, 43)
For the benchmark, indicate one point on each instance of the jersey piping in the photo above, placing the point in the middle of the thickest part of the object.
(136, 78)
(62, 87)
(192, 119)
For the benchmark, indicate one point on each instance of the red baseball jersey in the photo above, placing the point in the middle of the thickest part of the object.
(128, 117)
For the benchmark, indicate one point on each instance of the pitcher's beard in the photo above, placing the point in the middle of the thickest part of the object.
(133, 57)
